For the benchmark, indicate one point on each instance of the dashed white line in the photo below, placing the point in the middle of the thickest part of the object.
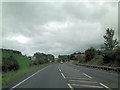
(87, 76)
(63, 76)
(26, 79)
(70, 86)
(105, 86)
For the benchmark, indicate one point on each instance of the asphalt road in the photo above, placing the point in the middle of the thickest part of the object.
(69, 76)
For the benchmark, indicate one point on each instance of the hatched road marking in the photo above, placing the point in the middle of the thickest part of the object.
(87, 86)
(70, 86)
(60, 70)
(87, 76)
(82, 81)
(105, 86)
(63, 76)
(79, 78)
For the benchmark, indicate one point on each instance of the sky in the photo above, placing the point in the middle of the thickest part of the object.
(56, 27)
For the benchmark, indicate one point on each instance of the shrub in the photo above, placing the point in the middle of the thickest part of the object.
(117, 56)
(90, 54)
(9, 64)
(80, 58)
(108, 56)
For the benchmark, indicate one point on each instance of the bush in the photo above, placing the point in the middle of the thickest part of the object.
(90, 54)
(117, 56)
(112, 56)
(99, 52)
(42, 58)
(80, 58)
(108, 56)
(9, 64)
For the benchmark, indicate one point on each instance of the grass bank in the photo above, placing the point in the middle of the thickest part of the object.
(22, 60)
(97, 60)
(12, 76)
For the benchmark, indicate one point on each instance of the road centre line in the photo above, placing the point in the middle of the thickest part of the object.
(87, 86)
(105, 86)
(87, 76)
(82, 81)
(70, 86)
(27, 79)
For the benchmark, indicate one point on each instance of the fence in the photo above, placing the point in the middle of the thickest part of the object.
(117, 69)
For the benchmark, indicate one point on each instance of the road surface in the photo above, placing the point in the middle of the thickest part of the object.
(68, 76)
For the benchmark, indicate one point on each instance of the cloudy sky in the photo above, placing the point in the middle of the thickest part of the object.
(56, 27)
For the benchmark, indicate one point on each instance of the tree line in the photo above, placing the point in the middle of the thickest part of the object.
(42, 58)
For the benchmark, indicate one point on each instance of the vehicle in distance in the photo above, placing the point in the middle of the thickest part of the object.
(61, 62)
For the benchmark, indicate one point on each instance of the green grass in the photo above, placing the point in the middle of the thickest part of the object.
(75, 62)
(96, 61)
(25, 69)
(22, 60)
(12, 76)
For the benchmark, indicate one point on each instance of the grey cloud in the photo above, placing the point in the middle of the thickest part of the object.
(57, 28)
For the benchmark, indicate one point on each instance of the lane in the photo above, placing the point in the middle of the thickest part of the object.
(104, 78)
(69, 76)
(50, 77)
(78, 79)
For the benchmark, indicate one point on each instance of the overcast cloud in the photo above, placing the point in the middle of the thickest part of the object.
(56, 27)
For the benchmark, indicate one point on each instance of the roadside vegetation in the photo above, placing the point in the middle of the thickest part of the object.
(63, 58)
(108, 55)
(15, 65)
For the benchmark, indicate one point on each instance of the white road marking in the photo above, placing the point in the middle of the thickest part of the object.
(87, 76)
(105, 86)
(79, 78)
(82, 81)
(26, 79)
(70, 86)
(60, 70)
(73, 76)
(63, 76)
(87, 86)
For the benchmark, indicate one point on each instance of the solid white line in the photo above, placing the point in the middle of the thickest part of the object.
(63, 76)
(70, 86)
(27, 78)
(105, 86)
(87, 76)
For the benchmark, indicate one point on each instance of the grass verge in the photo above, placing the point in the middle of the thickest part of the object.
(12, 76)
(75, 62)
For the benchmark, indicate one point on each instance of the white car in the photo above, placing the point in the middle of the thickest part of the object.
(61, 62)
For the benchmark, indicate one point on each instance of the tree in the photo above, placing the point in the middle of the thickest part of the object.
(79, 53)
(90, 54)
(110, 43)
